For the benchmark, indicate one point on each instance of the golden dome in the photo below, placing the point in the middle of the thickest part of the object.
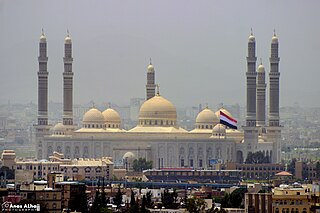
(93, 116)
(67, 40)
(158, 108)
(110, 115)
(252, 38)
(219, 129)
(43, 38)
(224, 111)
(150, 68)
(128, 155)
(261, 68)
(207, 116)
(59, 127)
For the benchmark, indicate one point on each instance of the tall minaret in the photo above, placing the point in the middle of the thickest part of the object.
(67, 82)
(43, 82)
(150, 87)
(261, 96)
(251, 82)
(42, 128)
(274, 129)
(250, 129)
(274, 76)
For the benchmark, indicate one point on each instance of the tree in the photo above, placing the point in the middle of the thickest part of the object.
(257, 158)
(292, 166)
(318, 169)
(233, 200)
(80, 202)
(117, 200)
(196, 205)
(144, 205)
(236, 197)
(134, 206)
(169, 199)
(5, 171)
(141, 164)
(149, 199)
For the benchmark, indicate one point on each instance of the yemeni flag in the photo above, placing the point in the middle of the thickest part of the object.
(228, 121)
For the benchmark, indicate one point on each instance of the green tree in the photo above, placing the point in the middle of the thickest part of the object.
(117, 200)
(233, 200)
(225, 201)
(196, 205)
(104, 210)
(292, 166)
(144, 205)
(134, 206)
(5, 171)
(318, 169)
(257, 158)
(149, 199)
(141, 164)
(169, 199)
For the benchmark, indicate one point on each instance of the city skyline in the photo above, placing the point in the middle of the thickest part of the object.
(195, 56)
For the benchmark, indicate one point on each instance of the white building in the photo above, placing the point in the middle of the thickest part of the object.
(157, 136)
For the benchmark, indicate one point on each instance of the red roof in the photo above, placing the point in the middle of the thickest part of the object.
(177, 169)
(283, 173)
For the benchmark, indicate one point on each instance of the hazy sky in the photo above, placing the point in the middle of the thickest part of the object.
(198, 48)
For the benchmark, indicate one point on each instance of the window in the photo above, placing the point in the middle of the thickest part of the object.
(200, 163)
(191, 162)
(182, 162)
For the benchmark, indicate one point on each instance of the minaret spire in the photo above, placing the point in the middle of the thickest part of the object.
(43, 82)
(42, 128)
(274, 76)
(251, 82)
(250, 129)
(274, 129)
(68, 82)
(150, 87)
(261, 96)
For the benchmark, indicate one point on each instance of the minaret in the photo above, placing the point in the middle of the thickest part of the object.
(274, 76)
(67, 82)
(250, 129)
(42, 128)
(274, 129)
(150, 87)
(251, 82)
(43, 82)
(261, 96)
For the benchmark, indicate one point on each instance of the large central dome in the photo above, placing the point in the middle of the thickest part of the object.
(157, 111)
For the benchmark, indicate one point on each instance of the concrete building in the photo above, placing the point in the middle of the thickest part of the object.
(291, 198)
(158, 137)
(258, 202)
(77, 169)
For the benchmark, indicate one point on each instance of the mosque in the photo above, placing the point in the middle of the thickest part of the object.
(157, 136)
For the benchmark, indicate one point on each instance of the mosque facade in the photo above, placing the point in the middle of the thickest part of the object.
(157, 136)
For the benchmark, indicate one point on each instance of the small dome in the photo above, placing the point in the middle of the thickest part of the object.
(129, 156)
(252, 38)
(274, 39)
(158, 108)
(150, 68)
(59, 127)
(43, 38)
(93, 116)
(110, 115)
(207, 116)
(219, 129)
(261, 68)
(67, 40)
(224, 111)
